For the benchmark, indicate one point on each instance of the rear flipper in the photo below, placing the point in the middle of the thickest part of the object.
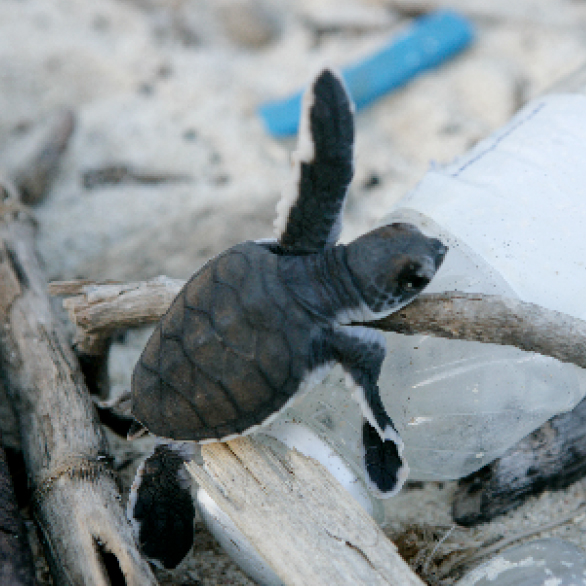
(361, 352)
(160, 506)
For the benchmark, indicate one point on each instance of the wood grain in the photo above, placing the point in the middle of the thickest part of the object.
(298, 517)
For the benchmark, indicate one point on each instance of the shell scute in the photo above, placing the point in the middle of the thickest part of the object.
(149, 382)
(197, 330)
(176, 369)
(212, 402)
(150, 355)
(172, 359)
(245, 383)
(232, 267)
(177, 415)
(229, 322)
(274, 358)
(172, 322)
(259, 305)
(198, 293)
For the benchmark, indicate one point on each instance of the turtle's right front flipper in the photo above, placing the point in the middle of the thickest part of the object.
(361, 352)
(310, 211)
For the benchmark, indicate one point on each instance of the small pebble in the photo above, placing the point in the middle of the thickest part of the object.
(248, 23)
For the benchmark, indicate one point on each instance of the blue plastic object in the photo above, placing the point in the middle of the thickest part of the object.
(431, 40)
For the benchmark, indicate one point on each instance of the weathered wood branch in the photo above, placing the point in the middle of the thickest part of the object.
(495, 320)
(299, 518)
(98, 309)
(37, 171)
(552, 457)
(76, 501)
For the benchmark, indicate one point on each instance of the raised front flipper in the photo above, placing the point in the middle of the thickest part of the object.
(361, 352)
(310, 211)
(160, 506)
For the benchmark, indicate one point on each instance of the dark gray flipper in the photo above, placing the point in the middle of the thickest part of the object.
(310, 212)
(361, 352)
(160, 507)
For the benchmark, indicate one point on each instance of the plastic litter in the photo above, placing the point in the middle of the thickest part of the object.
(430, 41)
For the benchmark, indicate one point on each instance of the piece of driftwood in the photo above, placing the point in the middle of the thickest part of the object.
(75, 500)
(16, 560)
(98, 309)
(123, 174)
(495, 320)
(298, 517)
(552, 457)
(36, 173)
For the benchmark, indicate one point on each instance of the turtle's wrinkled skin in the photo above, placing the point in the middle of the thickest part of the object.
(257, 324)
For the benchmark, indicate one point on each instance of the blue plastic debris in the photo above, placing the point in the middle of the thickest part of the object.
(431, 40)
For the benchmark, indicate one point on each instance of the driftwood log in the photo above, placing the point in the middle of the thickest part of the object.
(76, 501)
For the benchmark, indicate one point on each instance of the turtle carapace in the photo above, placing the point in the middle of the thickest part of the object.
(257, 324)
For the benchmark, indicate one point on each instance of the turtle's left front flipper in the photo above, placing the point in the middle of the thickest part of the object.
(361, 352)
(310, 211)
(160, 506)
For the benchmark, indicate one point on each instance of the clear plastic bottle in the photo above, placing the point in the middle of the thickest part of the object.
(513, 213)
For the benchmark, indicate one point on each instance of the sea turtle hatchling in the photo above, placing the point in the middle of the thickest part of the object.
(265, 320)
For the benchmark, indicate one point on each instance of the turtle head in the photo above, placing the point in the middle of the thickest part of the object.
(393, 264)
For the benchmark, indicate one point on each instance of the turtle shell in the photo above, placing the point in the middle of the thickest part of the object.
(231, 351)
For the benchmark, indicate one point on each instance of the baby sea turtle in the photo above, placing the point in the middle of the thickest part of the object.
(264, 321)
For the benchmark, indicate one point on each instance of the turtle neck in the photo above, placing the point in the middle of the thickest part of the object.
(320, 282)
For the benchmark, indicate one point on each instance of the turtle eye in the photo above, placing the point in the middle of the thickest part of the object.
(410, 281)
(416, 283)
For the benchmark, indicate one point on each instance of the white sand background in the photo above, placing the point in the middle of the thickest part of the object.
(171, 88)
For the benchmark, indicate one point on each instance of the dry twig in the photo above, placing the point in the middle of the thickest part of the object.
(98, 309)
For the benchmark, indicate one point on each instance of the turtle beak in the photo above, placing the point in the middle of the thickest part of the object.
(440, 253)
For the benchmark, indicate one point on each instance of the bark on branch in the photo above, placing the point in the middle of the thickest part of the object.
(98, 309)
